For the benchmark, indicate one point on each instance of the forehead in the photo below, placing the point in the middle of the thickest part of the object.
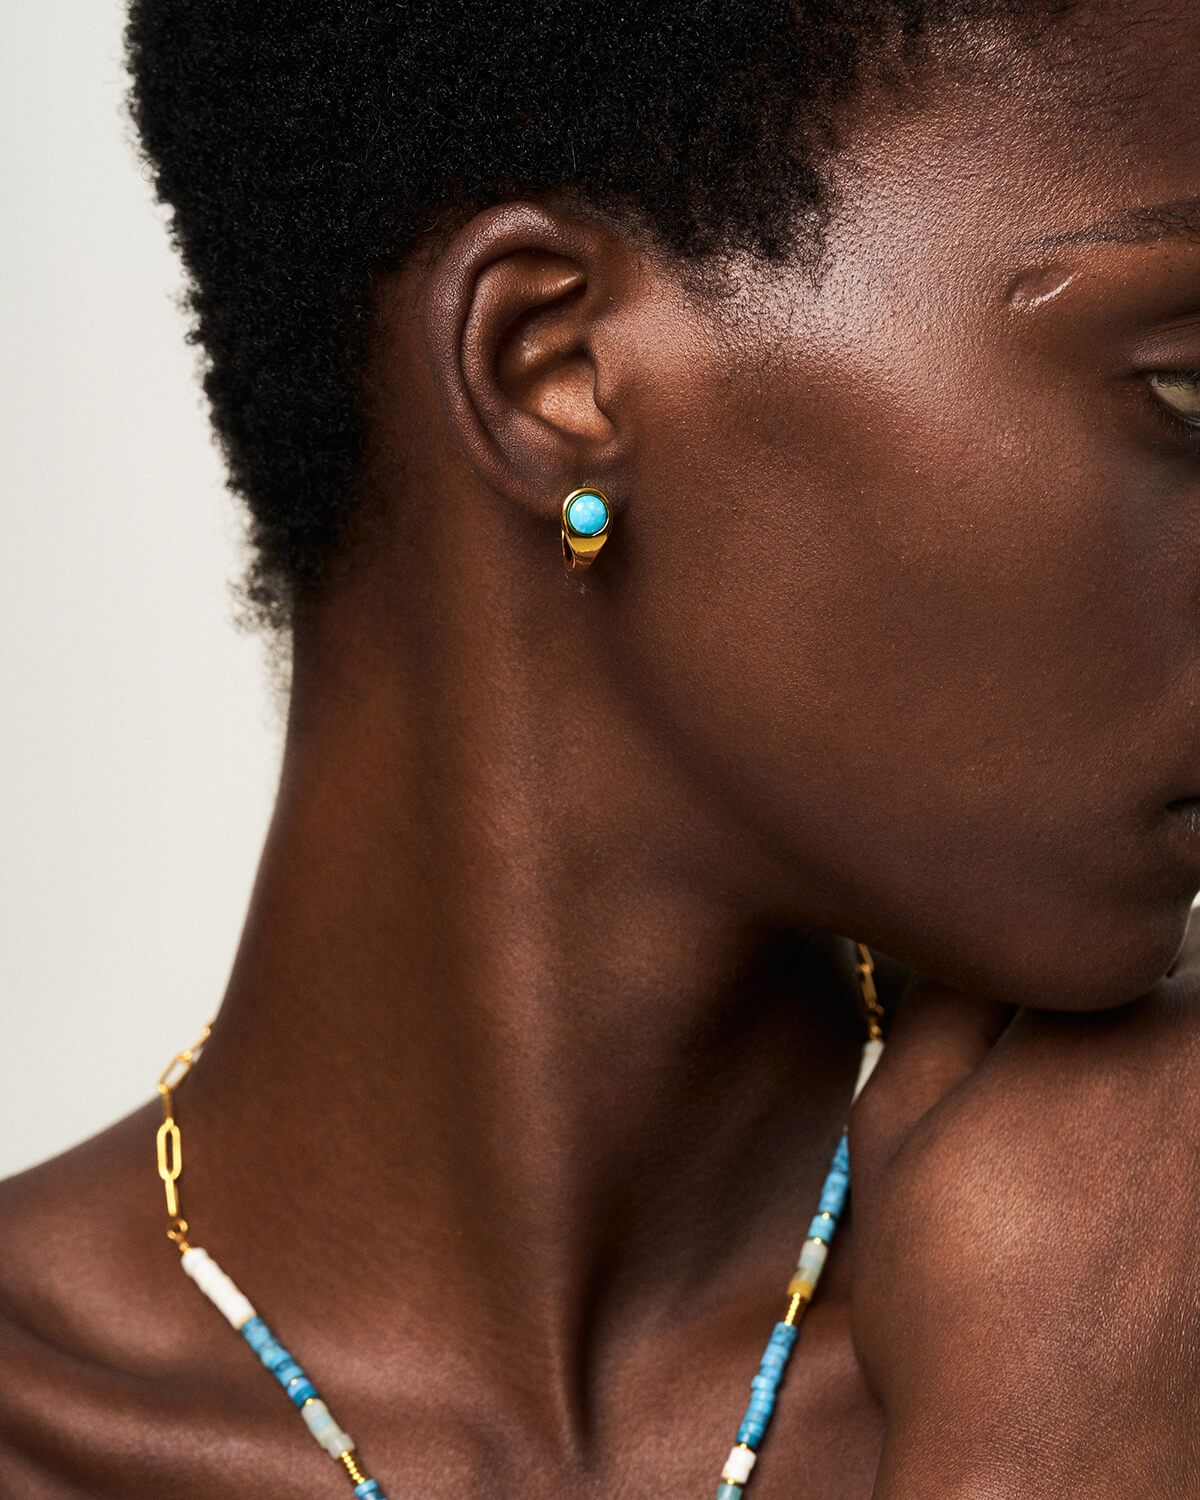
(999, 150)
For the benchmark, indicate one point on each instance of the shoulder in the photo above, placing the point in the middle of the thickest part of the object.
(70, 1230)
(86, 1354)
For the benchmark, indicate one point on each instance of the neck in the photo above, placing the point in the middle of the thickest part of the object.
(514, 1037)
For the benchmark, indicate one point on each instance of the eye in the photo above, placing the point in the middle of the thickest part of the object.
(1179, 392)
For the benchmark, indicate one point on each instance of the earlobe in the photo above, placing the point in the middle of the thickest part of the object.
(515, 313)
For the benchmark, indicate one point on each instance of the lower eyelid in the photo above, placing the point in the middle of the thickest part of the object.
(1176, 428)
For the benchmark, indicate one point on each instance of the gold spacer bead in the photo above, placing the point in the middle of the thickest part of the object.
(351, 1467)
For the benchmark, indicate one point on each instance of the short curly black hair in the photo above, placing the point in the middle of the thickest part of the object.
(304, 145)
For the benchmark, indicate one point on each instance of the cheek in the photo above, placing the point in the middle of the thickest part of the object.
(934, 666)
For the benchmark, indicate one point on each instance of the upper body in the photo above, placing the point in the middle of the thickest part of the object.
(543, 1025)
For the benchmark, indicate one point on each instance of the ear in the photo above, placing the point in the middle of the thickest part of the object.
(526, 319)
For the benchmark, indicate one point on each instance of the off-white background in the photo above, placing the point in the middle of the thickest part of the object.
(138, 731)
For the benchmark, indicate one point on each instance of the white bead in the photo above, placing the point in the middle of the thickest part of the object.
(871, 1054)
(738, 1466)
(326, 1431)
(231, 1302)
(217, 1286)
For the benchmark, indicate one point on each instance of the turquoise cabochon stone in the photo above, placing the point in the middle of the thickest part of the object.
(587, 514)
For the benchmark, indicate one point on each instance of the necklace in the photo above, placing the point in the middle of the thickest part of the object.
(239, 1311)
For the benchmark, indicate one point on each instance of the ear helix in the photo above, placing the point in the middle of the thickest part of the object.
(586, 517)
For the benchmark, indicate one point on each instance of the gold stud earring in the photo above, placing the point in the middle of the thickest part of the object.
(586, 516)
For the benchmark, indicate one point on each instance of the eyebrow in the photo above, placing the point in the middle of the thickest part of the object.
(1131, 226)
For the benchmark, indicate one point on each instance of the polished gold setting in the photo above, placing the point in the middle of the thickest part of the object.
(579, 550)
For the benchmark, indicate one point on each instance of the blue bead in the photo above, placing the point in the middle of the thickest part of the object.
(256, 1333)
(822, 1229)
(833, 1194)
(299, 1393)
(841, 1157)
(785, 1334)
(764, 1386)
(729, 1492)
(274, 1354)
(288, 1372)
(587, 514)
(369, 1490)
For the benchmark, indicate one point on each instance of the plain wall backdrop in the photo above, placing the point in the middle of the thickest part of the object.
(140, 730)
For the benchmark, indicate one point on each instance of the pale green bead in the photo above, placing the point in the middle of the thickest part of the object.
(812, 1259)
(321, 1424)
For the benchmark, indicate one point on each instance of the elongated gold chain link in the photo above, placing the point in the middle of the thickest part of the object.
(169, 1143)
(872, 1009)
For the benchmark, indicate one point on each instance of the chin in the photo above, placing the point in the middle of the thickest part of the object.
(1075, 957)
(1106, 958)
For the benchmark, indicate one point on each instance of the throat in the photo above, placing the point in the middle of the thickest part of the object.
(485, 1081)
(560, 1174)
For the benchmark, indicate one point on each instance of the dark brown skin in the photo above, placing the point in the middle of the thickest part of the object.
(537, 1043)
(1066, 1362)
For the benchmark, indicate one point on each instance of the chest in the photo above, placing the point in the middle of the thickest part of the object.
(655, 1433)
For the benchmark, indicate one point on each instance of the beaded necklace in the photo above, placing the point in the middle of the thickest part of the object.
(238, 1310)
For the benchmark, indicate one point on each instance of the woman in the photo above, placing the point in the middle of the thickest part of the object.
(871, 332)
